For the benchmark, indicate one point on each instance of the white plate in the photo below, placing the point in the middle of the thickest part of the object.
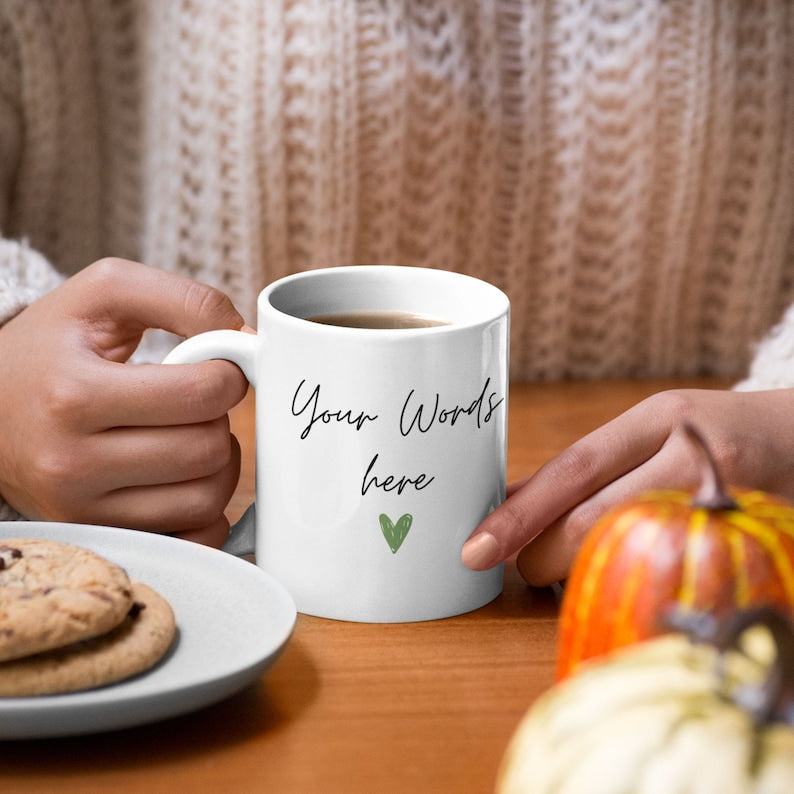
(232, 620)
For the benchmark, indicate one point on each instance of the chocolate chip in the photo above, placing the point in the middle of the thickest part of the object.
(136, 609)
(10, 553)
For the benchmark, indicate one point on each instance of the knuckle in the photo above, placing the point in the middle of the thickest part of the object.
(218, 442)
(676, 405)
(578, 522)
(48, 466)
(512, 518)
(52, 473)
(211, 450)
(203, 507)
(208, 393)
(104, 270)
(217, 387)
(578, 463)
(65, 399)
(729, 449)
(729, 454)
(202, 300)
(205, 498)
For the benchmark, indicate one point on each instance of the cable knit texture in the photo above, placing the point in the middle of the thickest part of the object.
(773, 364)
(625, 171)
(25, 275)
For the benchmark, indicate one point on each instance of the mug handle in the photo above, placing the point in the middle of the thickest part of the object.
(239, 348)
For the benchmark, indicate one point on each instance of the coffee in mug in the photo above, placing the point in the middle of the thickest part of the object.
(378, 319)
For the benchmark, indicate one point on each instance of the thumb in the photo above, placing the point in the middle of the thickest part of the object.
(122, 299)
(154, 298)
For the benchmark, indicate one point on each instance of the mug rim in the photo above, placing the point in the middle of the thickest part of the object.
(280, 298)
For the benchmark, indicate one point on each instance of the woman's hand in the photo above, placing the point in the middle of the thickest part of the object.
(546, 516)
(85, 437)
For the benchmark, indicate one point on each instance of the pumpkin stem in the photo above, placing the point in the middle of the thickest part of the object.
(773, 699)
(712, 494)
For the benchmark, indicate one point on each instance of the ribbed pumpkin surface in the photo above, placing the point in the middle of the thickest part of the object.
(660, 551)
(657, 717)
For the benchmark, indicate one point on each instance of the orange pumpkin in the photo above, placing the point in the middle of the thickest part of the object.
(716, 552)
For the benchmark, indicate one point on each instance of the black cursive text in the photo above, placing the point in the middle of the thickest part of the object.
(312, 406)
(424, 417)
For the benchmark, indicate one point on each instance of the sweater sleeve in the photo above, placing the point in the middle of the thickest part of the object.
(773, 364)
(25, 275)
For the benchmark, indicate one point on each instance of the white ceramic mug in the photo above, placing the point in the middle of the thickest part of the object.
(378, 451)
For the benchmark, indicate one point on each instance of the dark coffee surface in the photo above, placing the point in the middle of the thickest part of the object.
(378, 319)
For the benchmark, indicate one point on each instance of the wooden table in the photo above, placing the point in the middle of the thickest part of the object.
(423, 707)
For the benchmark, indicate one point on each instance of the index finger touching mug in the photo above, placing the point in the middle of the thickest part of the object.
(381, 428)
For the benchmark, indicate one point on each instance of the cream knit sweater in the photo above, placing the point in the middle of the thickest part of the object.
(624, 170)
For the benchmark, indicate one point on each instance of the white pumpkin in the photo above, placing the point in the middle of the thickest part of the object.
(666, 716)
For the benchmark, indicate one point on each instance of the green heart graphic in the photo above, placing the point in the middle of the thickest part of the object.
(395, 533)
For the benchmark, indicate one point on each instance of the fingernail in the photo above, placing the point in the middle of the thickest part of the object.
(481, 551)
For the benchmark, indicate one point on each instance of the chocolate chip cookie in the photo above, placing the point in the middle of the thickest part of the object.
(54, 594)
(134, 646)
